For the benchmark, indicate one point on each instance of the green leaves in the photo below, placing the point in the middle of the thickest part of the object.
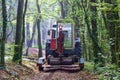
(102, 6)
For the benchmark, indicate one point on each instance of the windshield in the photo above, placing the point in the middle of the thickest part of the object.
(68, 34)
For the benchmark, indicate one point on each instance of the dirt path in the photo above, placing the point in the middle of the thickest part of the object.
(63, 75)
(60, 74)
(29, 71)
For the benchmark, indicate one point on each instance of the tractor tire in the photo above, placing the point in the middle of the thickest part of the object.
(73, 60)
(81, 68)
(77, 50)
(40, 68)
(47, 50)
(48, 59)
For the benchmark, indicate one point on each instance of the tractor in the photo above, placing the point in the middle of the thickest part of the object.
(63, 49)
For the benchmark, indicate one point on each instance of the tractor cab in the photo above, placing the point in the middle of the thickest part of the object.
(61, 30)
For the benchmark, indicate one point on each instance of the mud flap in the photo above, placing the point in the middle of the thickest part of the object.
(81, 63)
(40, 62)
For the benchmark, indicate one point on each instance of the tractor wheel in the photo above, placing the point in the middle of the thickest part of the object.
(48, 51)
(77, 50)
(73, 60)
(48, 59)
(81, 68)
(40, 68)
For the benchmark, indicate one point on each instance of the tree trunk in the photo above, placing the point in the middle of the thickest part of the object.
(62, 9)
(86, 18)
(23, 28)
(24, 13)
(31, 40)
(114, 27)
(76, 16)
(18, 39)
(28, 34)
(94, 29)
(38, 27)
(3, 40)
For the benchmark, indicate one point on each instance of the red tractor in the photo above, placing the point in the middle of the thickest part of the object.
(63, 49)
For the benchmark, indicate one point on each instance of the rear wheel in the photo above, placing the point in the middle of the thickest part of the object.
(48, 59)
(40, 68)
(81, 68)
(77, 51)
(48, 51)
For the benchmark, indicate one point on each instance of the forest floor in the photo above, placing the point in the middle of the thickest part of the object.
(29, 71)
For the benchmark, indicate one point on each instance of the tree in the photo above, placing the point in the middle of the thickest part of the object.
(31, 40)
(23, 28)
(18, 39)
(62, 9)
(113, 28)
(94, 29)
(3, 40)
(38, 28)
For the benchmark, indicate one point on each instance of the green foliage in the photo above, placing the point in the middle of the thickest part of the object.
(9, 52)
(101, 77)
(89, 66)
(102, 6)
(9, 49)
(118, 53)
(67, 43)
(109, 72)
(35, 46)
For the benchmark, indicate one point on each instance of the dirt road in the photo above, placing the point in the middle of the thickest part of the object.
(29, 71)
(63, 75)
(58, 74)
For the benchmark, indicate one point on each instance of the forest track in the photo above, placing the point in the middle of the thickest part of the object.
(29, 71)
(63, 75)
(59, 74)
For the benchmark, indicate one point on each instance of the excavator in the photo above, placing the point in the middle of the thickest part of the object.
(63, 49)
